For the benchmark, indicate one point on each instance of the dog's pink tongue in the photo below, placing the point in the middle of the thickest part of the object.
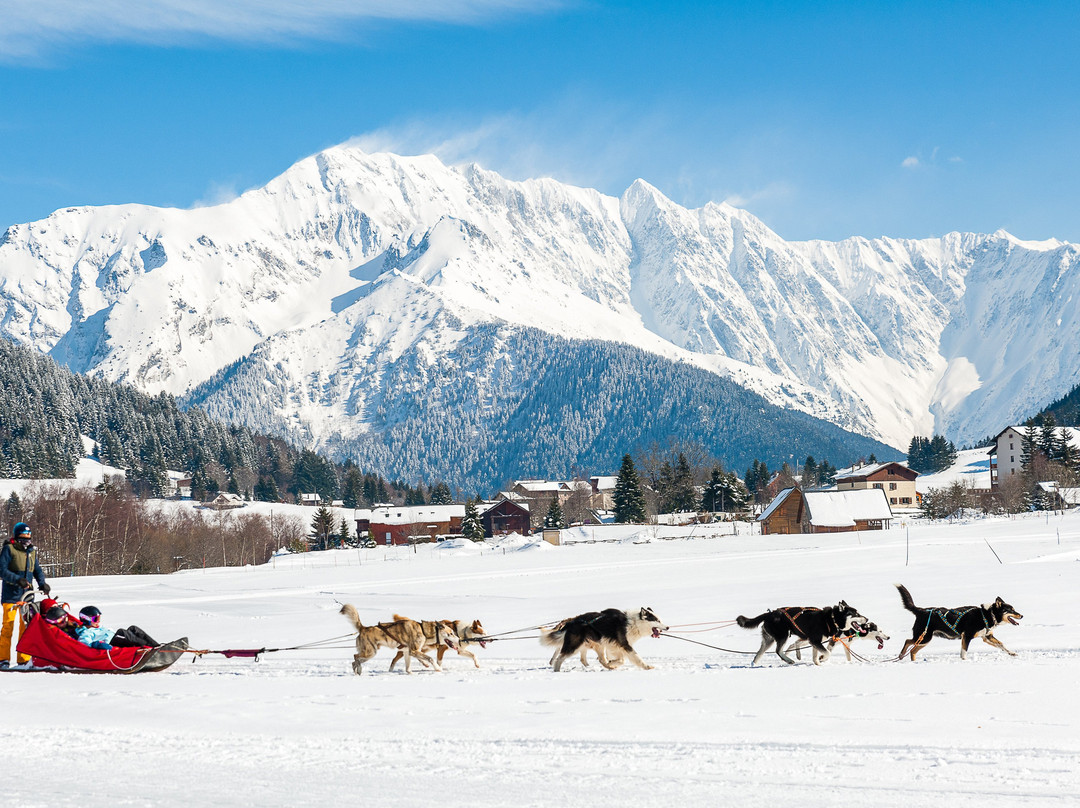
(880, 644)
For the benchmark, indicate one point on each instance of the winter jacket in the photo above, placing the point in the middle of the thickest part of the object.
(16, 566)
(88, 635)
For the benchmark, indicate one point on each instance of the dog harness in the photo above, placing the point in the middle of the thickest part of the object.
(952, 618)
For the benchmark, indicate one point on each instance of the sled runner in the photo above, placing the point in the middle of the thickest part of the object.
(52, 650)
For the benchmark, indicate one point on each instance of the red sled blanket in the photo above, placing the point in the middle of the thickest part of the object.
(52, 648)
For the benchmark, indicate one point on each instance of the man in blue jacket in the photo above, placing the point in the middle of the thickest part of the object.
(19, 568)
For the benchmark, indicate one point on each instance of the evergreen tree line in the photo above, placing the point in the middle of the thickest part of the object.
(1066, 410)
(815, 474)
(44, 408)
(1043, 444)
(930, 455)
(724, 491)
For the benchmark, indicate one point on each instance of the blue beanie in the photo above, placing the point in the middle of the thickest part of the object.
(21, 529)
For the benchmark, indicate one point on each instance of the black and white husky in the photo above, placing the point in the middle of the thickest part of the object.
(964, 623)
(816, 626)
(611, 631)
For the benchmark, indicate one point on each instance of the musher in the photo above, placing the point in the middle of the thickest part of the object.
(19, 568)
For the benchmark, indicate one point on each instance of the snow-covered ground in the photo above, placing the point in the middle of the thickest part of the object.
(972, 468)
(703, 728)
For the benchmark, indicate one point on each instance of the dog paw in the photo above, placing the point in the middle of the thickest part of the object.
(645, 667)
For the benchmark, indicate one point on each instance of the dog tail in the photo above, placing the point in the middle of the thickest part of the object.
(751, 622)
(552, 636)
(905, 597)
(352, 615)
(398, 618)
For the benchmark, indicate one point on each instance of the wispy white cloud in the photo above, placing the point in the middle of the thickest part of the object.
(911, 162)
(776, 191)
(594, 147)
(30, 29)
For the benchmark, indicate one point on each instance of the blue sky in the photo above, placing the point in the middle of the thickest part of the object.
(824, 119)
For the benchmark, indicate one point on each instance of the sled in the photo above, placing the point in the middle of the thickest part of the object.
(51, 650)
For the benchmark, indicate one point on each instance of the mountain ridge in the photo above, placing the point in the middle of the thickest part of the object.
(352, 260)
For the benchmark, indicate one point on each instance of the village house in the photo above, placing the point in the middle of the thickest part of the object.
(1007, 450)
(400, 524)
(832, 511)
(895, 479)
(224, 502)
(603, 492)
(311, 500)
(505, 516)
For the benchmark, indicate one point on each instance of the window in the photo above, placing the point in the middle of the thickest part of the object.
(892, 486)
(892, 500)
(905, 500)
(1012, 459)
(877, 485)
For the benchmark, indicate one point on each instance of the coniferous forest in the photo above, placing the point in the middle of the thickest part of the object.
(44, 408)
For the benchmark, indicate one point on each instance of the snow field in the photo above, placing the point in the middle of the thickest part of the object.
(299, 728)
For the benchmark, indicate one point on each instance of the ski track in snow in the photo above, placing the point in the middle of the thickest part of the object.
(703, 727)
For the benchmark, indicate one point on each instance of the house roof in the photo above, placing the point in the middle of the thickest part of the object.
(517, 503)
(411, 515)
(1070, 496)
(844, 508)
(859, 472)
(776, 503)
(605, 483)
(541, 486)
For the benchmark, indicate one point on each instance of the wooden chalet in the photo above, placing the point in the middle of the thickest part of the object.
(833, 511)
(506, 516)
(895, 479)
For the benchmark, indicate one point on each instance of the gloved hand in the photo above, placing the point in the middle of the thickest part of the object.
(25, 584)
(101, 646)
(45, 588)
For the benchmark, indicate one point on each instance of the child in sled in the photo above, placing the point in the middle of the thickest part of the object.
(90, 632)
(56, 616)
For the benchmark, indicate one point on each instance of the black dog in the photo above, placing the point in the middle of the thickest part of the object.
(964, 623)
(814, 625)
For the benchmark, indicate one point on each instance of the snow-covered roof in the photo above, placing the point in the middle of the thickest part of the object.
(866, 469)
(541, 486)
(844, 508)
(412, 514)
(605, 483)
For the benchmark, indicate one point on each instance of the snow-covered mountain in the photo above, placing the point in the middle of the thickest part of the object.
(299, 303)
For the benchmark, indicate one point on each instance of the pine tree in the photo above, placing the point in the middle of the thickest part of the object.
(322, 527)
(472, 527)
(554, 518)
(440, 494)
(352, 491)
(344, 534)
(683, 493)
(710, 497)
(628, 496)
(266, 489)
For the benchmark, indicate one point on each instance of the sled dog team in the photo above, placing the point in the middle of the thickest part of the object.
(611, 634)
